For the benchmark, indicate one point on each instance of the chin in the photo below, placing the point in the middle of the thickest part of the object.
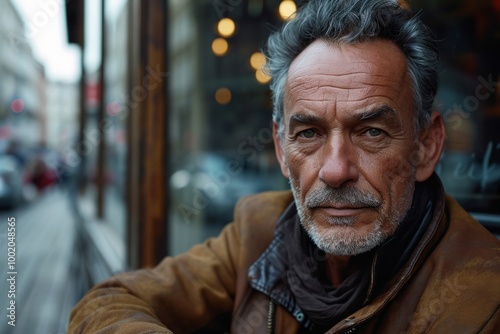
(346, 240)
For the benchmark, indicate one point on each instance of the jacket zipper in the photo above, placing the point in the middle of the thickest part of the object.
(270, 318)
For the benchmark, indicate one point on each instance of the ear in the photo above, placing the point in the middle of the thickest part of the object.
(430, 147)
(279, 151)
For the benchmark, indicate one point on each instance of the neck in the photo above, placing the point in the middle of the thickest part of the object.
(339, 267)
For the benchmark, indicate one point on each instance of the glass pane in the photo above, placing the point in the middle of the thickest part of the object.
(116, 116)
(469, 99)
(220, 124)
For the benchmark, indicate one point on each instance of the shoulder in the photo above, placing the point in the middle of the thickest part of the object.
(267, 205)
(458, 284)
(255, 218)
(262, 210)
(467, 246)
(470, 251)
(466, 231)
(464, 271)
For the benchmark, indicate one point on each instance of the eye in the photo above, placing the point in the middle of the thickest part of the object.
(373, 132)
(309, 133)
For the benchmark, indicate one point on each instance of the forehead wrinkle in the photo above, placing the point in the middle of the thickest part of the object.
(340, 94)
(305, 73)
(308, 88)
(371, 84)
(309, 79)
(305, 86)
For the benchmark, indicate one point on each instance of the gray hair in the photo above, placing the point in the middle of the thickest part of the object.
(349, 22)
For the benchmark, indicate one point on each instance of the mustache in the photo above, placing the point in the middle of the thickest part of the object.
(345, 196)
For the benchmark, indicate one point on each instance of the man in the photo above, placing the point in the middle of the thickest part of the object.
(368, 242)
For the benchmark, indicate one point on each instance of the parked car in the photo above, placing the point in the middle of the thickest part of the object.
(210, 184)
(11, 182)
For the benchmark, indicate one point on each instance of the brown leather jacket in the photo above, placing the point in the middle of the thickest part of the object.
(451, 284)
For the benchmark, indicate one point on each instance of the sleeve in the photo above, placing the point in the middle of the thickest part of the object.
(182, 294)
(492, 326)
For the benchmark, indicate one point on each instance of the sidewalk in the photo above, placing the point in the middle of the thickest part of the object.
(46, 280)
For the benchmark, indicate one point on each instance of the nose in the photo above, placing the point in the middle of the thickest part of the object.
(339, 163)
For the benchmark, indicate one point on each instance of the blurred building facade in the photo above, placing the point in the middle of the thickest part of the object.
(22, 84)
(61, 114)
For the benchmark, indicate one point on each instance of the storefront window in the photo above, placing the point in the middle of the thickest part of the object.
(221, 112)
(469, 100)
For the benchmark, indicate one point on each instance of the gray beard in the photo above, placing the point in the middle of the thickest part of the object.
(342, 238)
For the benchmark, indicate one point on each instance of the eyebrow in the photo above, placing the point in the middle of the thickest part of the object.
(383, 113)
(376, 113)
(298, 119)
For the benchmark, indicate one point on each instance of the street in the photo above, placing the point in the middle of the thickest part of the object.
(38, 289)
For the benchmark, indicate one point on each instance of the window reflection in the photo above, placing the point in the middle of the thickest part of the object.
(220, 114)
(469, 99)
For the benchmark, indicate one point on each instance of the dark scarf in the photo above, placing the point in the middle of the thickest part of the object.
(293, 272)
(326, 305)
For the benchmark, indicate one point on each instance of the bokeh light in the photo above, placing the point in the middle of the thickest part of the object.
(226, 27)
(262, 77)
(257, 61)
(113, 108)
(220, 47)
(287, 9)
(223, 96)
(17, 105)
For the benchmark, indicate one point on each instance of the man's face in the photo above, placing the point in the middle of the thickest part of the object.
(349, 143)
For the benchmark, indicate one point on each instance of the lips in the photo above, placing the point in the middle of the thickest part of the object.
(341, 211)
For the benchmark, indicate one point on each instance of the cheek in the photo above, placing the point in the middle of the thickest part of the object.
(302, 168)
(389, 174)
(402, 166)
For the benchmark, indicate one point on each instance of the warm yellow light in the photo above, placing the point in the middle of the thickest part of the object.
(226, 27)
(220, 47)
(262, 77)
(257, 60)
(223, 95)
(287, 9)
